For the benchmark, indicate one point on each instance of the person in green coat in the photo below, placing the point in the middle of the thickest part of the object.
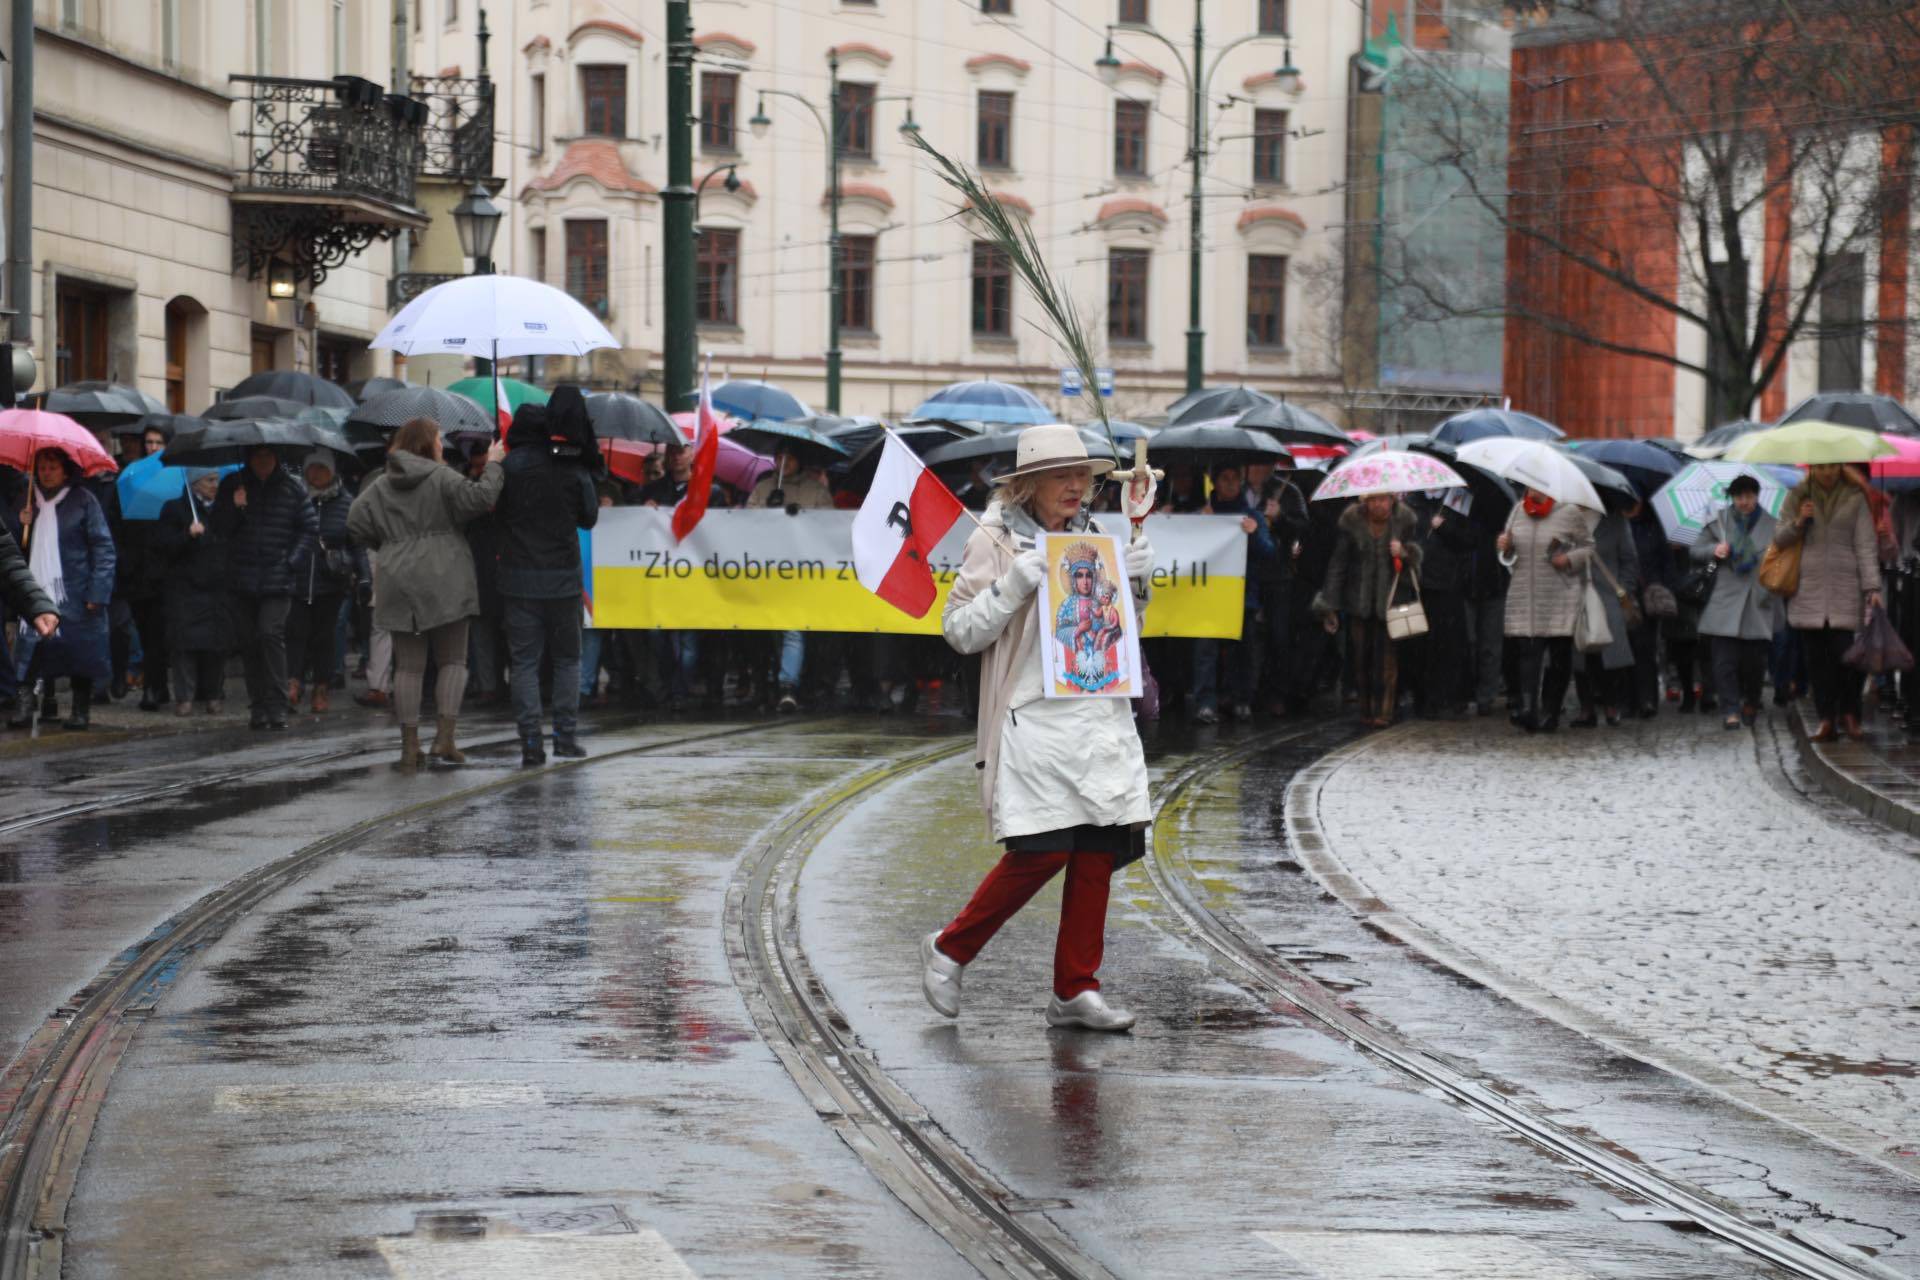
(413, 513)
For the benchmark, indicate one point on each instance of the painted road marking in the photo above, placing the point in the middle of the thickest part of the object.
(1419, 1255)
(643, 1255)
(430, 1095)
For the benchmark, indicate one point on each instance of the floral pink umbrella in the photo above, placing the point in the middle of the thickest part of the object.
(25, 432)
(1387, 471)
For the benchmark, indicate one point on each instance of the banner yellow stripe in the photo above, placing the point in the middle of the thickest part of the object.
(809, 596)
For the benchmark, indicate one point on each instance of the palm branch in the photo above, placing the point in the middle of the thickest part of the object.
(1015, 238)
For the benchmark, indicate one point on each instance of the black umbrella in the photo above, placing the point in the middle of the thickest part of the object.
(168, 424)
(773, 437)
(1215, 402)
(243, 408)
(618, 416)
(1856, 409)
(1614, 488)
(1214, 444)
(101, 405)
(380, 415)
(367, 388)
(291, 384)
(963, 454)
(857, 435)
(1290, 424)
(1713, 443)
(220, 444)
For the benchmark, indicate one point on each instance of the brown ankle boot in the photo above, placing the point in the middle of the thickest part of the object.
(443, 747)
(409, 761)
(1824, 733)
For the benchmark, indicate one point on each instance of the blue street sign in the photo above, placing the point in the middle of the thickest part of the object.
(1070, 382)
(1106, 381)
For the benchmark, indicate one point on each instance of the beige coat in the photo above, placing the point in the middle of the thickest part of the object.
(1044, 764)
(1543, 600)
(414, 513)
(1839, 564)
(801, 489)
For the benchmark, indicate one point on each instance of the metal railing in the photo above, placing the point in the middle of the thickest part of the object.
(408, 285)
(340, 137)
(458, 137)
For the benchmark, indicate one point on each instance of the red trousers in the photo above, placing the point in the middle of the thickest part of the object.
(1009, 886)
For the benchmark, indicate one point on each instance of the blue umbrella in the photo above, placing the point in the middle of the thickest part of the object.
(1648, 466)
(985, 401)
(1478, 424)
(749, 398)
(149, 484)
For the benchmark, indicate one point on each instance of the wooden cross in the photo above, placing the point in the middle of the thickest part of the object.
(1139, 469)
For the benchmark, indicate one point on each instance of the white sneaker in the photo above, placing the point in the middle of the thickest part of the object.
(1087, 1010)
(940, 977)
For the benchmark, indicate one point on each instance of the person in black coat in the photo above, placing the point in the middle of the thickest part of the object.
(322, 587)
(1447, 536)
(270, 529)
(192, 559)
(1270, 565)
(1655, 557)
(18, 590)
(548, 497)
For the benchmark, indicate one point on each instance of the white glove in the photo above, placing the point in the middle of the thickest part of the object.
(1138, 510)
(1023, 578)
(1140, 563)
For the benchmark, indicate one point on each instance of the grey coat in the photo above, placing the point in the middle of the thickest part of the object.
(412, 514)
(1360, 574)
(1839, 564)
(1613, 545)
(1542, 600)
(1739, 608)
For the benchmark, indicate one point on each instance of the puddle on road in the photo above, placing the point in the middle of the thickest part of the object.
(1823, 1066)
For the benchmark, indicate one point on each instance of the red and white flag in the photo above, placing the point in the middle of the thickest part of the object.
(706, 452)
(502, 411)
(906, 513)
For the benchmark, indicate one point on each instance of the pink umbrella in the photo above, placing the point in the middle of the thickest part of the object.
(1387, 471)
(1903, 465)
(25, 432)
(736, 465)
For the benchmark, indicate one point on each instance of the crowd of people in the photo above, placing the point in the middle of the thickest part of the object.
(462, 565)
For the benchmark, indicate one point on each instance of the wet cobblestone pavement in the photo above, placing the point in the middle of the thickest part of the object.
(1658, 877)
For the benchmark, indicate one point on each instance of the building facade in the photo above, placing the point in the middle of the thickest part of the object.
(1014, 87)
(219, 187)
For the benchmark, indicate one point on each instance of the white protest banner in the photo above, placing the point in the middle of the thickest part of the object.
(759, 570)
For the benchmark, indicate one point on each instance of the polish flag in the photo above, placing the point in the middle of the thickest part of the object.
(706, 451)
(501, 410)
(906, 513)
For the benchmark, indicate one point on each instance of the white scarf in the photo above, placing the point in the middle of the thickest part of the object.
(44, 558)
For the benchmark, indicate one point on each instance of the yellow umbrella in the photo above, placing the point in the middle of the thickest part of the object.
(1809, 443)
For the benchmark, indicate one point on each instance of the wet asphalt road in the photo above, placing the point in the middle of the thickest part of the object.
(503, 1039)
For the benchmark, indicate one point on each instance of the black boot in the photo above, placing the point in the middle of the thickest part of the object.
(82, 706)
(22, 709)
(531, 752)
(49, 705)
(566, 746)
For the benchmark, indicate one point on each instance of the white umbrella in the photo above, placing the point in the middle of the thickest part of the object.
(493, 316)
(1537, 465)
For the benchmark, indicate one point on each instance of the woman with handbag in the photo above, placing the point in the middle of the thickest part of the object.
(1548, 545)
(1740, 614)
(1375, 566)
(1830, 529)
(1604, 681)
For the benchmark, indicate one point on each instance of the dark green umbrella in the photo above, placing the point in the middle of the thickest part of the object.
(774, 436)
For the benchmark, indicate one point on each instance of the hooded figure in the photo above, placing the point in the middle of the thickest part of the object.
(571, 429)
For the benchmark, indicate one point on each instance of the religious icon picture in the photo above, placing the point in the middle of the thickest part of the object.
(1091, 639)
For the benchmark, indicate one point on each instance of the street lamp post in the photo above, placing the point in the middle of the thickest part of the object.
(1197, 85)
(759, 124)
(477, 220)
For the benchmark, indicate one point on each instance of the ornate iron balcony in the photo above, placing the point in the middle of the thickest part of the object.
(408, 285)
(458, 139)
(339, 137)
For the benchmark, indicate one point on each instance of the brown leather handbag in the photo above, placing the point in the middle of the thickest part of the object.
(1780, 569)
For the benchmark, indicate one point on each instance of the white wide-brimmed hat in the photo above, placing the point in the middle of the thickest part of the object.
(1049, 447)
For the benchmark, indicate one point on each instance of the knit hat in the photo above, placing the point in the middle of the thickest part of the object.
(318, 458)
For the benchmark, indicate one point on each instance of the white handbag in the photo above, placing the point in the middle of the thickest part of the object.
(1405, 621)
(1591, 633)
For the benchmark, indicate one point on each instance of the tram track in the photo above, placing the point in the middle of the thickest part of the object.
(1804, 1253)
(59, 1083)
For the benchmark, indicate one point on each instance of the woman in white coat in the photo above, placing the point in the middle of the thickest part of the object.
(1063, 782)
